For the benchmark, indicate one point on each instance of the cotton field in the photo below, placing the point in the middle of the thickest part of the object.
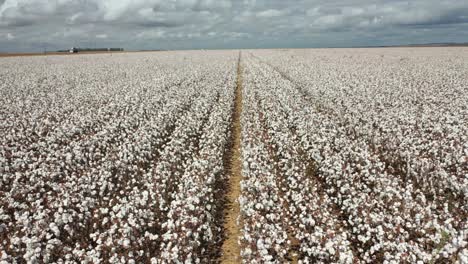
(340, 156)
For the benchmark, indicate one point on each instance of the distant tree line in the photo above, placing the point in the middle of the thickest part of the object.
(93, 49)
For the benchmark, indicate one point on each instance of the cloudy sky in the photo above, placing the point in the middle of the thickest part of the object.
(32, 25)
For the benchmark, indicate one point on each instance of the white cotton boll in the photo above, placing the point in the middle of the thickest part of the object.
(247, 252)
(126, 242)
(66, 218)
(54, 229)
(3, 227)
(116, 208)
(4, 257)
(68, 156)
(463, 256)
(330, 248)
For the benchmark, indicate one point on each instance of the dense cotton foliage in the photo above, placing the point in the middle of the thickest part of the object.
(113, 158)
(349, 156)
(358, 155)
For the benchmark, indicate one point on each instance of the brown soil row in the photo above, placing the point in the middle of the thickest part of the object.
(231, 248)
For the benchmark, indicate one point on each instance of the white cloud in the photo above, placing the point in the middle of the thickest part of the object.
(101, 36)
(151, 34)
(270, 13)
(208, 21)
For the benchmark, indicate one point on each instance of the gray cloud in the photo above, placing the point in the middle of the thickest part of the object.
(29, 25)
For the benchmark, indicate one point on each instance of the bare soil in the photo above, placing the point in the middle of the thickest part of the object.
(231, 248)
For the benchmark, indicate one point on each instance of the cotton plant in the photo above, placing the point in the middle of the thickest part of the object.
(84, 156)
(348, 156)
(381, 144)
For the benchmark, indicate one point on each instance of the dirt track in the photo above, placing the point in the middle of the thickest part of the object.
(231, 248)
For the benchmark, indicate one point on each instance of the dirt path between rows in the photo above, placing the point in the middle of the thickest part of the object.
(231, 248)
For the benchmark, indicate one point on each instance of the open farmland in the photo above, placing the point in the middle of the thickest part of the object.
(259, 156)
